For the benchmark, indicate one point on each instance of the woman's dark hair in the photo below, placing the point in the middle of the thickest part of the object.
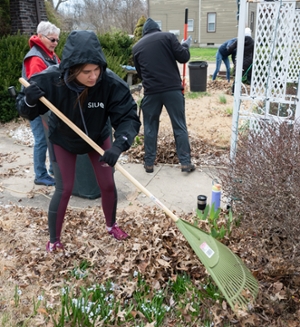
(73, 73)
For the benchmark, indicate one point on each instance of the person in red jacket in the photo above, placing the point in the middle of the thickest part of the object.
(40, 56)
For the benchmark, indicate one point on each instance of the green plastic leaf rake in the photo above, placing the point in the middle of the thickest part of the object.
(234, 279)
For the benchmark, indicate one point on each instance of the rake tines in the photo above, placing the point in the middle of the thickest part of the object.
(233, 278)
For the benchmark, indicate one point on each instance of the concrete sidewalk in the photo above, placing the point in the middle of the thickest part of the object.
(176, 190)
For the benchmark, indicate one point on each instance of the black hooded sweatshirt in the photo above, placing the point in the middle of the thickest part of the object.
(248, 51)
(109, 97)
(155, 58)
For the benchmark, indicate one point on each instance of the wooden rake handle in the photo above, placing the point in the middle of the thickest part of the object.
(97, 148)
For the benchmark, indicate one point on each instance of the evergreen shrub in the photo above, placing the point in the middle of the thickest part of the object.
(12, 50)
(117, 48)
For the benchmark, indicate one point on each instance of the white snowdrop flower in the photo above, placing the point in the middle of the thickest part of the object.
(75, 302)
(19, 292)
(40, 298)
(63, 290)
(87, 309)
(135, 274)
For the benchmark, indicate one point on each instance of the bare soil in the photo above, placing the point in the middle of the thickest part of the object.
(208, 115)
(208, 119)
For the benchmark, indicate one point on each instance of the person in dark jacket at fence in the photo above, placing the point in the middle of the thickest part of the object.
(88, 93)
(248, 55)
(155, 58)
(40, 56)
(223, 54)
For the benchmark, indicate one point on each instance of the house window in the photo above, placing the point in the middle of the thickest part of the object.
(190, 25)
(211, 22)
(175, 32)
(252, 20)
(159, 23)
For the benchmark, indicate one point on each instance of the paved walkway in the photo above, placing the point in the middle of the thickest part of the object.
(176, 190)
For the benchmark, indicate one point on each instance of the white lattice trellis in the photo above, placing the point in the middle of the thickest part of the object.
(274, 91)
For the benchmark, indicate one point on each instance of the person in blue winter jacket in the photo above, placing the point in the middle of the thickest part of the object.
(223, 54)
(88, 94)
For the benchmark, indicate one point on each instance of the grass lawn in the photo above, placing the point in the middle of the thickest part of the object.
(203, 54)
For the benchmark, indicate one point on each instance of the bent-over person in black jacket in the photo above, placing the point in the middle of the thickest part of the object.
(88, 93)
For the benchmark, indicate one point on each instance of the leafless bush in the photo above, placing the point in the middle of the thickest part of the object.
(263, 180)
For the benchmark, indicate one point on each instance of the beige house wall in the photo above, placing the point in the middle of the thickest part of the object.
(226, 22)
(171, 13)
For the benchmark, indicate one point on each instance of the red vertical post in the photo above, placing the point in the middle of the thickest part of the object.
(185, 30)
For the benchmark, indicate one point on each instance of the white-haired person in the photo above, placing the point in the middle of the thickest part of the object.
(248, 54)
(40, 56)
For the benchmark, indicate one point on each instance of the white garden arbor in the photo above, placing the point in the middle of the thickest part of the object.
(274, 91)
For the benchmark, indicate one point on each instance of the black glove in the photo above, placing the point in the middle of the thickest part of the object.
(33, 93)
(111, 156)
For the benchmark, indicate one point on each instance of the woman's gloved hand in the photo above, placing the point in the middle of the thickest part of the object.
(111, 156)
(33, 93)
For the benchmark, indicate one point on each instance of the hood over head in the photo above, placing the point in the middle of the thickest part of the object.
(150, 26)
(82, 47)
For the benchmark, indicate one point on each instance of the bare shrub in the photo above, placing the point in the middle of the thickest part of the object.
(263, 180)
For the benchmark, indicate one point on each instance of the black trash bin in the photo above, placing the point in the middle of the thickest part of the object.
(85, 183)
(198, 76)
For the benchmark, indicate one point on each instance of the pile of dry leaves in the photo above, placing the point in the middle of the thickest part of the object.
(202, 153)
(156, 249)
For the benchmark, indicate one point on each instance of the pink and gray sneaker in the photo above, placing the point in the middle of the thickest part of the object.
(54, 247)
(117, 233)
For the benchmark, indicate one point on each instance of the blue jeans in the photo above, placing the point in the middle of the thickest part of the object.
(39, 148)
(175, 105)
(219, 59)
